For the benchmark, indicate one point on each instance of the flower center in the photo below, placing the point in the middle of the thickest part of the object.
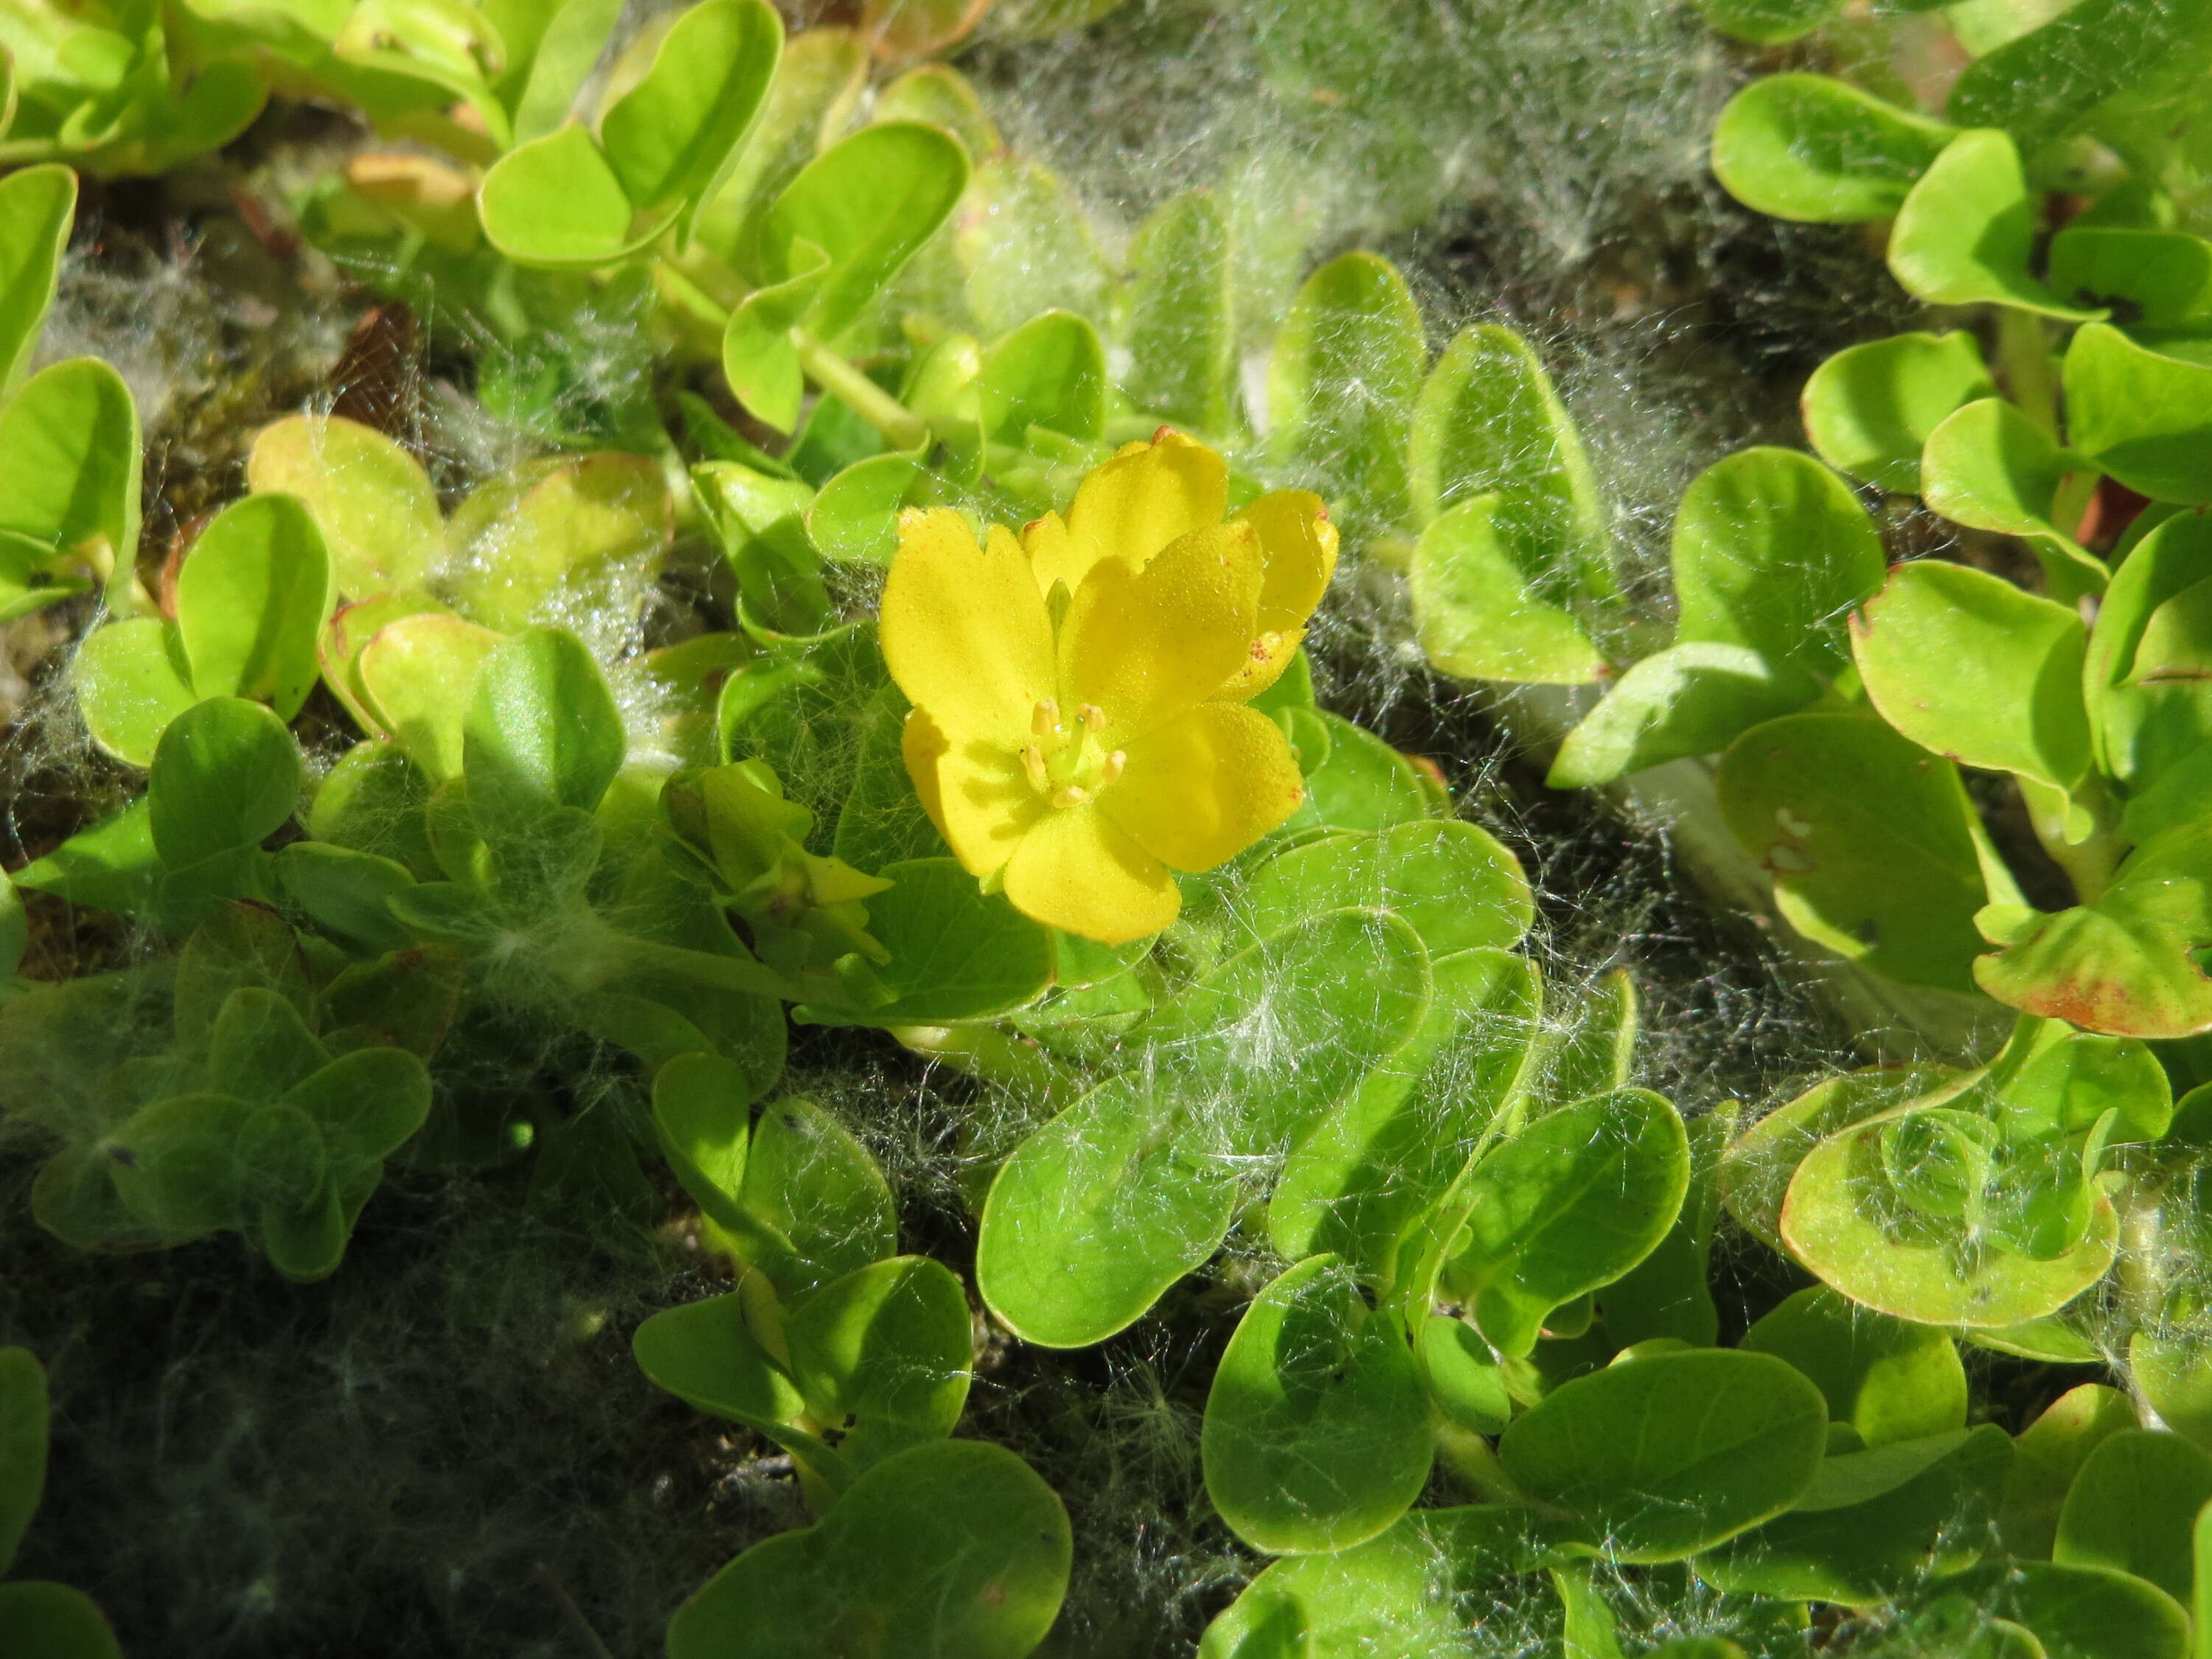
(1067, 764)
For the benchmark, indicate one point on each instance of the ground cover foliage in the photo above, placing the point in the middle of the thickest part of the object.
(625, 1034)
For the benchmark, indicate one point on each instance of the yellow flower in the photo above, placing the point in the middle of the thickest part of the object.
(1078, 727)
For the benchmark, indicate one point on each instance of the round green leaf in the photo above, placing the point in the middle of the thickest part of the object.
(251, 600)
(674, 136)
(373, 503)
(953, 1547)
(579, 526)
(1027, 248)
(2162, 278)
(1839, 1221)
(1346, 366)
(1870, 841)
(956, 954)
(36, 207)
(1966, 664)
(53, 1621)
(2049, 79)
(2073, 1611)
(883, 1353)
(1771, 552)
(1670, 1454)
(817, 1188)
(1317, 1433)
(1988, 466)
(1768, 22)
(557, 201)
(2047, 1456)
(2133, 1507)
(69, 460)
(1050, 371)
(1566, 1207)
(2141, 415)
(1692, 699)
(1478, 609)
(416, 677)
(1453, 883)
(1177, 322)
(129, 686)
(1889, 1380)
(1869, 410)
(1966, 232)
(23, 1413)
(226, 775)
(1810, 147)
(1097, 1212)
(542, 730)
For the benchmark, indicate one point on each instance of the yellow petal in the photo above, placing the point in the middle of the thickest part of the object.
(1145, 646)
(1203, 788)
(1137, 503)
(1077, 871)
(1051, 555)
(977, 795)
(1299, 543)
(965, 630)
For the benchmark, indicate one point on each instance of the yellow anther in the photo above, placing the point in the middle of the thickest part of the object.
(1045, 720)
(1112, 769)
(1074, 795)
(1091, 715)
(1033, 763)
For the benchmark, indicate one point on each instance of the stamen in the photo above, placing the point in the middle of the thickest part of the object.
(1112, 769)
(1074, 795)
(1045, 722)
(1033, 763)
(1091, 715)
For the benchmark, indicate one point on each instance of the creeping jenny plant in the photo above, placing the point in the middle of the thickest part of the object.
(1079, 724)
(910, 947)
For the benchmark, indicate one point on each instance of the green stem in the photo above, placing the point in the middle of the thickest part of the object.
(901, 427)
(2024, 353)
(1474, 1465)
(687, 296)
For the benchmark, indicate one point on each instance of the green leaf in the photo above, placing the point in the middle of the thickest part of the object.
(1359, 1183)
(1396, 1596)
(703, 1354)
(2047, 1456)
(1097, 1212)
(1363, 784)
(1876, 1524)
(1454, 884)
(858, 212)
(1050, 371)
(807, 1179)
(2074, 1612)
(2050, 79)
(1768, 22)
(1810, 147)
(675, 135)
(111, 865)
(572, 34)
(251, 600)
(1316, 1433)
(955, 953)
(1966, 232)
(1354, 986)
(2126, 963)
(1890, 1381)
(366, 1104)
(1027, 248)
(884, 1356)
(2141, 415)
(1686, 699)
(1869, 409)
(577, 528)
(56, 1622)
(71, 437)
(2133, 1506)
(855, 517)
(558, 203)
(1671, 1455)
(953, 1547)
(1771, 550)
(417, 678)
(1990, 467)
(542, 731)
(1566, 1207)
(1479, 581)
(1178, 322)
(129, 686)
(702, 1117)
(36, 207)
(225, 776)
(1346, 366)
(2168, 1366)
(373, 503)
(23, 1413)
(1488, 420)
(1968, 665)
(1871, 843)
(1842, 1220)
(2154, 278)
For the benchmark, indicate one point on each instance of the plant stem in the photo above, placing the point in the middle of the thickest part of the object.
(2024, 355)
(901, 427)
